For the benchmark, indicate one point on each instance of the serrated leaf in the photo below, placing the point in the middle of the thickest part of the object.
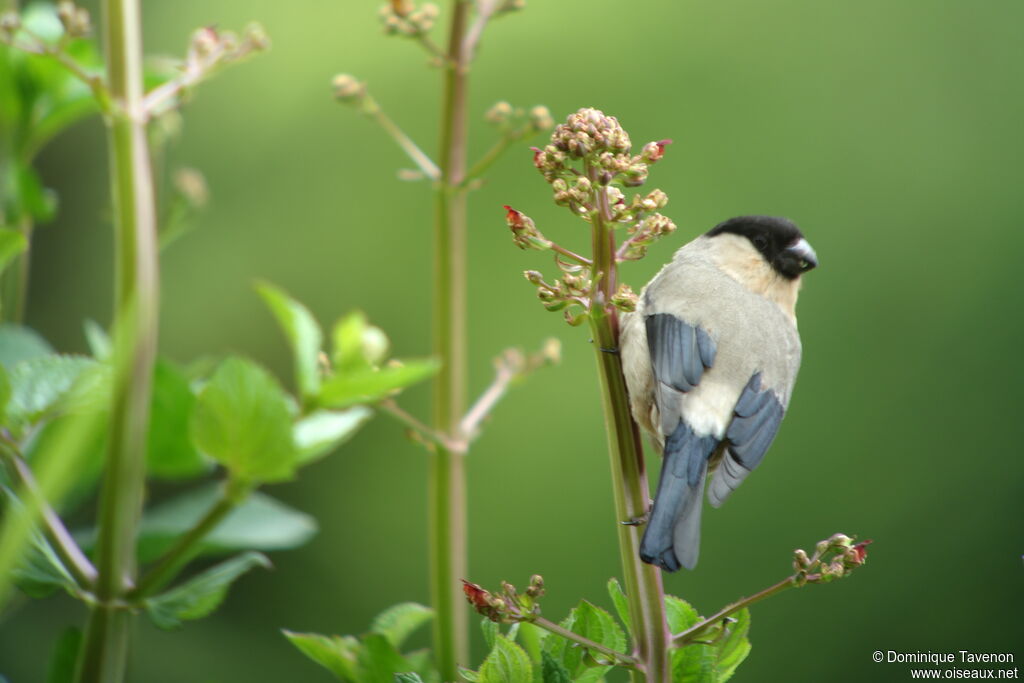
(490, 630)
(695, 662)
(169, 450)
(202, 594)
(469, 674)
(408, 678)
(552, 670)
(337, 654)
(507, 663)
(592, 623)
(41, 572)
(379, 660)
(734, 647)
(259, 523)
(621, 603)
(319, 433)
(65, 653)
(242, 421)
(46, 385)
(397, 622)
(304, 337)
(18, 343)
(12, 243)
(368, 385)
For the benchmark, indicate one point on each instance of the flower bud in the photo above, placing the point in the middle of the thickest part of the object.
(191, 185)
(499, 113)
(75, 20)
(255, 37)
(551, 353)
(524, 232)
(625, 299)
(347, 88)
(10, 22)
(536, 588)
(533, 277)
(540, 118)
(654, 151)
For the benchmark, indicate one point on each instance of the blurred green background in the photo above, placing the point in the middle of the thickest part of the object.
(891, 132)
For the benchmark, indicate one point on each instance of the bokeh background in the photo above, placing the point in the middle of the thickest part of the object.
(891, 132)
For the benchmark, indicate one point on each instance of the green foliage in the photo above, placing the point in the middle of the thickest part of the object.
(593, 623)
(375, 656)
(320, 432)
(259, 523)
(507, 663)
(618, 597)
(304, 336)
(62, 661)
(200, 595)
(12, 243)
(170, 453)
(242, 421)
(721, 650)
(42, 386)
(369, 385)
(18, 343)
(41, 572)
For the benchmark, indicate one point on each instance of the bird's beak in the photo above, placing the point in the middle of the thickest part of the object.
(805, 255)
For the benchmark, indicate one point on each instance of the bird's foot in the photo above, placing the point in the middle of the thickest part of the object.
(637, 521)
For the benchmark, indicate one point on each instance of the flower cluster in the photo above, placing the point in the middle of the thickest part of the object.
(405, 19)
(590, 166)
(509, 606)
(833, 558)
(74, 19)
(508, 118)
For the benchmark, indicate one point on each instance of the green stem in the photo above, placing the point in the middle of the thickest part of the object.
(447, 485)
(105, 647)
(16, 278)
(418, 156)
(629, 480)
(491, 156)
(687, 636)
(165, 569)
(71, 556)
(619, 658)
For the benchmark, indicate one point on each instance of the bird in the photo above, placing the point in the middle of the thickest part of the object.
(710, 356)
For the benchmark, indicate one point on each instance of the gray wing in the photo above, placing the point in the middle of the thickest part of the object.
(757, 417)
(680, 353)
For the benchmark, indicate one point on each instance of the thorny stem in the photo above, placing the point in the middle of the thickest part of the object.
(688, 636)
(619, 658)
(104, 649)
(71, 556)
(232, 494)
(446, 484)
(629, 480)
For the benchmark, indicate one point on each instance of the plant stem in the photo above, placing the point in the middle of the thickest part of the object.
(418, 157)
(177, 555)
(689, 634)
(629, 480)
(105, 646)
(16, 277)
(71, 556)
(447, 486)
(619, 658)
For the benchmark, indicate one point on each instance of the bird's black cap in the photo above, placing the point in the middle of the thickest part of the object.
(778, 239)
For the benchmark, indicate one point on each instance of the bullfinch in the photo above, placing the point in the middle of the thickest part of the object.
(710, 356)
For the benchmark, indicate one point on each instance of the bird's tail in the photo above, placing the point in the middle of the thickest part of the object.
(672, 536)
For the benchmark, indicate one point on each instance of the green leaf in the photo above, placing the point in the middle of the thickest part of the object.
(507, 663)
(491, 631)
(618, 597)
(5, 394)
(337, 654)
(469, 674)
(43, 386)
(369, 386)
(357, 344)
(200, 595)
(734, 647)
(408, 678)
(259, 523)
(695, 662)
(98, 340)
(12, 243)
(321, 432)
(169, 450)
(552, 670)
(397, 622)
(531, 637)
(18, 343)
(242, 421)
(65, 653)
(592, 623)
(41, 572)
(304, 336)
(379, 660)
